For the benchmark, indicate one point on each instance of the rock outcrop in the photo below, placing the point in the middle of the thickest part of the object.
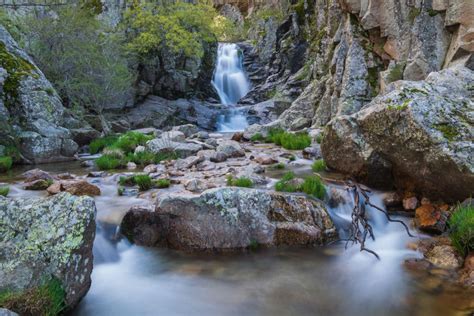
(32, 117)
(418, 136)
(230, 218)
(46, 238)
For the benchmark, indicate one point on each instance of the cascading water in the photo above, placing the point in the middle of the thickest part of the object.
(231, 84)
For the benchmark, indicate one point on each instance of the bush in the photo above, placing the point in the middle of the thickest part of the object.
(312, 185)
(5, 163)
(319, 165)
(4, 191)
(107, 163)
(100, 143)
(243, 182)
(83, 58)
(143, 181)
(461, 225)
(47, 299)
(162, 183)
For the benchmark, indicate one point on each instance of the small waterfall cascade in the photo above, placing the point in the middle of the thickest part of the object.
(231, 84)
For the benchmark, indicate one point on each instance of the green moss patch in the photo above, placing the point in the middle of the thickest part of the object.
(4, 190)
(449, 132)
(5, 163)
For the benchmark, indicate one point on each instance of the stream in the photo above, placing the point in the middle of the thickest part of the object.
(330, 280)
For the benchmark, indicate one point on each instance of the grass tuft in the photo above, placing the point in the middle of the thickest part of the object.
(143, 181)
(100, 143)
(5, 163)
(319, 165)
(4, 190)
(108, 162)
(461, 224)
(312, 185)
(291, 141)
(242, 182)
(162, 183)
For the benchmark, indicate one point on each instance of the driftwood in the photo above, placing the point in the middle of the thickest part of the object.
(360, 226)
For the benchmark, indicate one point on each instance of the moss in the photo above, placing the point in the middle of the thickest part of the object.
(414, 12)
(373, 79)
(5, 163)
(243, 182)
(300, 11)
(16, 68)
(461, 229)
(319, 165)
(4, 190)
(399, 107)
(449, 132)
(94, 6)
(47, 299)
(432, 12)
(396, 73)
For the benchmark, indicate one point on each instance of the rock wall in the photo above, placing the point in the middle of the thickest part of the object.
(32, 118)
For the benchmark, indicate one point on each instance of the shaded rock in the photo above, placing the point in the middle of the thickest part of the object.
(444, 256)
(187, 130)
(411, 137)
(237, 136)
(149, 169)
(131, 165)
(431, 219)
(231, 218)
(410, 203)
(230, 148)
(174, 136)
(198, 185)
(392, 199)
(74, 187)
(64, 226)
(186, 163)
(84, 135)
(36, 174)
(97, 174)
(467, 273)
(313, 152)
(37, 185)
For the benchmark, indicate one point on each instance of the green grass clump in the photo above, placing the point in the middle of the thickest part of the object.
(142, 158)
(319, 138)
(292, 158)
(285, 185)
(162, 183)
(319, 165)
(47, 299)
(287, 140)
(120, 190)
(279, 166)
(143, 181)
(108, 162)
(130, 140)
(313, 185)
(5, 163)
(4, 190)
(100, 143)
(257, 138)
(242, 182)
(461, 224)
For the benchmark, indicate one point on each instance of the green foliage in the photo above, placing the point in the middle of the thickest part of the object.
(47, 300)
(120, 190)
(414, 12)
(257, 137)
(292, 158)
(319, 165)
(108, 162)
(5, 163)
(80, 55)
(461, 225)
(100, 143)
(319, 138)
(180, 27)
(243, 182)
(449, 131)
(162, 183)
(279, 166)
(312, 185)
(143, 181)
(4, 190)
(396, 72)
(292, 141)
(286, 183)
(130, 140)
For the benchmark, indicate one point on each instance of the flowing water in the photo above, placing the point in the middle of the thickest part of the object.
(231, 84)
(331, 280)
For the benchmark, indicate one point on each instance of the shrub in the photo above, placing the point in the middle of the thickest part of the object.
(100, 143)
(143, 181)
(243, 182)
(319, 165)
(48, 299)
(5, 163)
(257, 137)
(107, 163)
(4, 191)
(286, 183)
(312, 185)
(461, 231)
(162, 183)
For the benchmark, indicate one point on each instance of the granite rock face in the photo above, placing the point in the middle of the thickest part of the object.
(42, 238)
(418, 136)
(231, 218)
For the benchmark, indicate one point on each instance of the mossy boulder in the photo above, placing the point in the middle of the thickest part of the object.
(418, 136)
(47, 238)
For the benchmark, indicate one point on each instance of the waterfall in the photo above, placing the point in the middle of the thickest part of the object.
(231, 84)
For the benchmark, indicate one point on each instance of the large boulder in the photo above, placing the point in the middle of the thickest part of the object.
(418, 136)
(44, 238)
(32, 117)
(230, 218)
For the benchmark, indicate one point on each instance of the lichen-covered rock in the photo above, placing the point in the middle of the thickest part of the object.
(32, 115)
(419, 135)
(230, 148)
(74, 187)
(42, 238)
(231, 218)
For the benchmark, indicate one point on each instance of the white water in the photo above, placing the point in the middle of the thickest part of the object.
(231, 84)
